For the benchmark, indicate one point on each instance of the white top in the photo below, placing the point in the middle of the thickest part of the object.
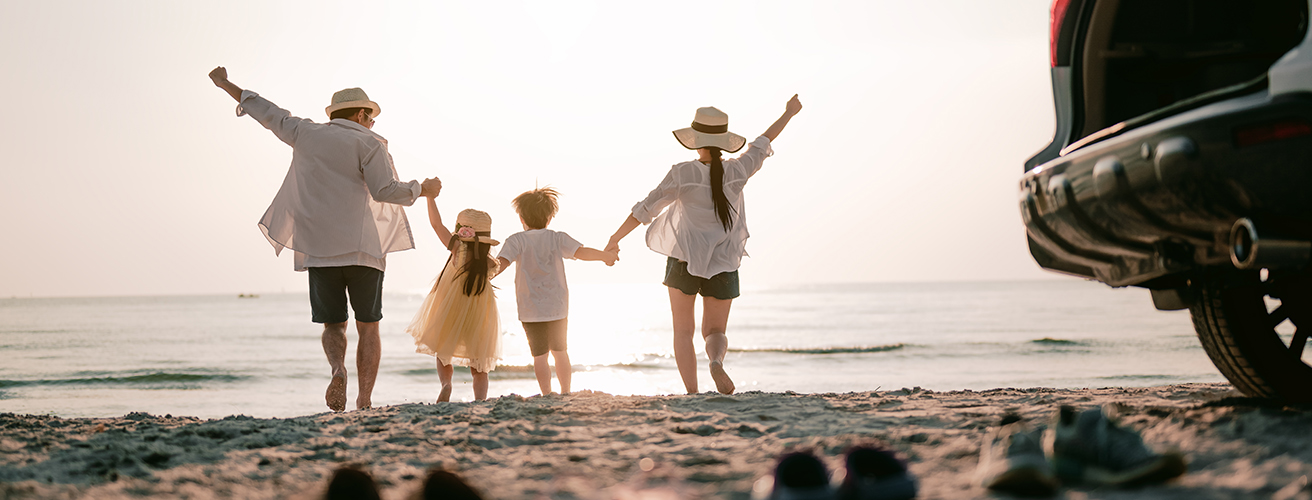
(540, 288)
(689, 230)
(341, 196)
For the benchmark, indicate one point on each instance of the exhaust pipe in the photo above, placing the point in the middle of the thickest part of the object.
(1250, 251)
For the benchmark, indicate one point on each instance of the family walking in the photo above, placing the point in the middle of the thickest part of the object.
(339, 211)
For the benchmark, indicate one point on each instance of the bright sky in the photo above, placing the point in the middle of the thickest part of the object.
(126, 171)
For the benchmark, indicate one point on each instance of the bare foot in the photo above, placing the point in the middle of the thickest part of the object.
(336, 394)
(722, 381)
(445, 395)
(363, 404)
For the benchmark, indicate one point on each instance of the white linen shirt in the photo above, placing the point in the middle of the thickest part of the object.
(689, 230)
(340, 202)
(540, 288)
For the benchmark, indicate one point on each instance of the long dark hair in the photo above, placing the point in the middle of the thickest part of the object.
(722, 208)
(475, 271)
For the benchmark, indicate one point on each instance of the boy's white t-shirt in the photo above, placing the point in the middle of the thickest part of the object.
(540, 288)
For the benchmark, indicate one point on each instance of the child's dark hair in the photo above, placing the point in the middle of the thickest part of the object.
(537, 207)
(475, 271)
(722, 208)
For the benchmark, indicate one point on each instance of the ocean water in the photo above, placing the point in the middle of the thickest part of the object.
(212, 356)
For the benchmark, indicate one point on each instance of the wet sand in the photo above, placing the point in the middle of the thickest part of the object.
(592, 445)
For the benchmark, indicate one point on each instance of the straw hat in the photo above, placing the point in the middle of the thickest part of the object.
(710, 128)
(479, 222)
(352, 98)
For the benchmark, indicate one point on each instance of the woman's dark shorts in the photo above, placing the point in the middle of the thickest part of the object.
(723, 286)
(329, 287)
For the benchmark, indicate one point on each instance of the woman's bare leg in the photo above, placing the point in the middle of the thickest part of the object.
(715, 319)
(685, 323)
(564, 371)
(444, 373)
(480, 384)
(542, 369)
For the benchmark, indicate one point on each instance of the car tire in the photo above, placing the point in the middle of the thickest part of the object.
(1240, 334)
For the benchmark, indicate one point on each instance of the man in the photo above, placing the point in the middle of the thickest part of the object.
(339, 211)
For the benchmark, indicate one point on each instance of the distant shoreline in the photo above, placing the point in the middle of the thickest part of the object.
(705, 445)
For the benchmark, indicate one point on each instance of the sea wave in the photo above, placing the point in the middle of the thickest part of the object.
(156, 378)
(822, 350)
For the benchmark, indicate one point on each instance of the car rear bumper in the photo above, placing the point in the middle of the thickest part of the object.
(1161, 199)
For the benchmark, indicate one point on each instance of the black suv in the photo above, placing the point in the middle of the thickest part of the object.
(1182, 163)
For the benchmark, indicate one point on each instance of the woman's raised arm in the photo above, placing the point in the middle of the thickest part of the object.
(790, 109)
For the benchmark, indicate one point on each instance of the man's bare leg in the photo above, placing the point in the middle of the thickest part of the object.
(480, 384)
(334, 346)
(563, 370)
(444, 373)
(715, 320)
(367, 354)
(685, 355)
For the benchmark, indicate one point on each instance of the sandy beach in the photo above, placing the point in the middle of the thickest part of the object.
(592, 445)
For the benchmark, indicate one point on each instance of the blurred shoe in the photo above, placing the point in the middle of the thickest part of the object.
(1012, 461)
(876, 474)
(443, 485)
(351, 484)
(801, 476)
(1090, 448)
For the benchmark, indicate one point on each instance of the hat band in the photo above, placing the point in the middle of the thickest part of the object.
(710, 129)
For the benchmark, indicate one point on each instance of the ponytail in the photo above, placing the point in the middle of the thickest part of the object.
(722, 208)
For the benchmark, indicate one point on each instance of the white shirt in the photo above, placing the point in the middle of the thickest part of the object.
(540, 288)
(689, 230)
(340, 202)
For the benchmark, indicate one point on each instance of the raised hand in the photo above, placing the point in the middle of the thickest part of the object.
(794, 106)
(430, 188)
(219, 75)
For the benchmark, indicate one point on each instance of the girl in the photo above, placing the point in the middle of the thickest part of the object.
(458, 321)
(704, 233)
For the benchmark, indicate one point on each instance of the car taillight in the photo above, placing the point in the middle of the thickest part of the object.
(1287, 128)
(1058, 15)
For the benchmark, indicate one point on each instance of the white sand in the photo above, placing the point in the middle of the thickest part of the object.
(590, 445)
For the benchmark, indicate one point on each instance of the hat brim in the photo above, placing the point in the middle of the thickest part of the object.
(693, 139)
(373, 107)
(481, 239)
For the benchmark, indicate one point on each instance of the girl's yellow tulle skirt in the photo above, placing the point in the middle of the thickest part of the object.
(458, 329)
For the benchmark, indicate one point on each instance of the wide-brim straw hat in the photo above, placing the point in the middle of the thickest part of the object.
(710, 129)
(480, 222)
(353, 98)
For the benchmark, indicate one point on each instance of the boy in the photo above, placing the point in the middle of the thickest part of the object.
(540, 288)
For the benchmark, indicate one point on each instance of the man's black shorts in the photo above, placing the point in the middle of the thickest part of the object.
(723, 286)
(329, 287)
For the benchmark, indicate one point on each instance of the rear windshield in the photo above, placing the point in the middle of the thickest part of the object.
(1163, 51)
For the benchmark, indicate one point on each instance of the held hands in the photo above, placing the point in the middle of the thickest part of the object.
(609, 257)
(793, 107)
(430, 188)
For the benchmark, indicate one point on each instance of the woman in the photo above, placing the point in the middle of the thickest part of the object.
(703, 233)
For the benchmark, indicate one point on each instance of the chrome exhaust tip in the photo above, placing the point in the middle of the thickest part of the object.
(1248, 250)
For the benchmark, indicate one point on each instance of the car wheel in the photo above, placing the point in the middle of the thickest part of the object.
(1255, 325)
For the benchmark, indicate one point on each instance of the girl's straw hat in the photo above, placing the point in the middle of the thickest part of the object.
(353, 98)
(710, 128)
(477, 226)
